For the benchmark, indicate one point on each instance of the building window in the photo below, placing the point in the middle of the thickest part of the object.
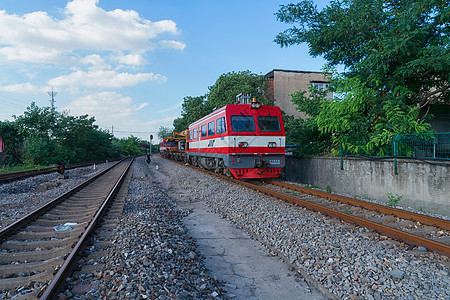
(321, 85)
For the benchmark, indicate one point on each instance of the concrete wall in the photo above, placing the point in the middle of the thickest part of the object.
(424, 186)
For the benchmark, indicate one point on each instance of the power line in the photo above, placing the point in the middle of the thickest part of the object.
(14, 99)
(135, 131)
(12, 104)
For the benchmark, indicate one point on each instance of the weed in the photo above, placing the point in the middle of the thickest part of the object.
(393, 200)
(206, 185)
(309, 186)
(348, 212)
(328, 189)
(294, 193)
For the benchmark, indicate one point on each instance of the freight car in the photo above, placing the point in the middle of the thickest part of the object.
(242, 140)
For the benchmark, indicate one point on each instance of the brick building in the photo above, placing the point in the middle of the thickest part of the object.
(283, 83)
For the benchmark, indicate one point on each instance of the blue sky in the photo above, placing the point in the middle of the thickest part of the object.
(130, 63)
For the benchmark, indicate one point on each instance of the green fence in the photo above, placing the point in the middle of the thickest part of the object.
(422, 145)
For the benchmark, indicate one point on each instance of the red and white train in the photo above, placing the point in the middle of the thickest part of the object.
(243, 140)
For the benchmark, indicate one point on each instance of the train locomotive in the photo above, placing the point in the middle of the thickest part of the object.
(242, 140)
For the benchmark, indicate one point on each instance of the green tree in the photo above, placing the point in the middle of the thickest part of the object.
(396, 59)
(43, 136)
(13, 140)
(131, 146)
(164, 132)
(223, 92)
(229, 85)
(192, 109)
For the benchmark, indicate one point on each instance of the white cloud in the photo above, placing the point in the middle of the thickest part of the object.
(172, 44)
(95, 61)
(104, 79)
(21, 88)
(40, 38)
(129, 59)
(105, 106)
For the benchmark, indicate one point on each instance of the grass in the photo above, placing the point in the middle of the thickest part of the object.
(8, 169)
(309, 186)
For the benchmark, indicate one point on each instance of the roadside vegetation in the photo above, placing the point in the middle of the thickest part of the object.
(42, 136)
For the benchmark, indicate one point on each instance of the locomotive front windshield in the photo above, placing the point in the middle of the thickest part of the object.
(242, 123)
(269, 124)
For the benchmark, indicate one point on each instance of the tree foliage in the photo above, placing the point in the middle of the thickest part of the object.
(396, 60)
(223, 92)
(164, 132)
(229, 85)
(44, 136)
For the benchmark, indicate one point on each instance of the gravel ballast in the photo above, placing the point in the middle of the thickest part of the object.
(351, 262)
(153, 257)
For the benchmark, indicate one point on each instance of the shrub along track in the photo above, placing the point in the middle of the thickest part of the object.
(48, 240)
(412, 228)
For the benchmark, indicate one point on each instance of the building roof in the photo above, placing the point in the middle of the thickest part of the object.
(271, 73)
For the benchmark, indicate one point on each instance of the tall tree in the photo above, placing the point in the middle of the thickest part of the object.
(192, 109)
(396, 60)
(229, 85)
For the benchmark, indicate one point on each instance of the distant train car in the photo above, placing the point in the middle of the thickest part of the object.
(172, 147)
(242, 140)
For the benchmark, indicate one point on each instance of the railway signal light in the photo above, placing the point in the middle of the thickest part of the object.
(61, 167)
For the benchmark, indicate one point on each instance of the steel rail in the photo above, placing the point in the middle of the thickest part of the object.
(8, 230)
(386, 230)
(427, 220)
(29, 173)
(58, 280)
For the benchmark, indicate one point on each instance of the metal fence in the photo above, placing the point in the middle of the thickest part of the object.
(422, 145)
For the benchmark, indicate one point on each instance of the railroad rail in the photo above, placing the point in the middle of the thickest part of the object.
(412, 228)
(48, 240)
(12, 176)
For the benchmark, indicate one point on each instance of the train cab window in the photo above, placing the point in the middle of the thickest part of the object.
(195, 134)
(211, 128)
(242, 123)
(220, 125)
(203, 130)
(269, 124)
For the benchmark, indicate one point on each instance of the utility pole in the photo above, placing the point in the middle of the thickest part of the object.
(52, 94)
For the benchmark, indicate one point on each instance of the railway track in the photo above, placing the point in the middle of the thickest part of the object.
(39, 250)
(411, 228)
(8, 177)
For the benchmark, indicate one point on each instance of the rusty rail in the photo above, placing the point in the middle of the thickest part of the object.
(444, 224)
(380, 228)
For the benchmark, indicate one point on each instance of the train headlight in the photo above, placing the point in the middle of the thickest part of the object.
(243, 144)
(272, 144)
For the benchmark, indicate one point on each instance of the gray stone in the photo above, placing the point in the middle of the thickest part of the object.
(397, 274)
